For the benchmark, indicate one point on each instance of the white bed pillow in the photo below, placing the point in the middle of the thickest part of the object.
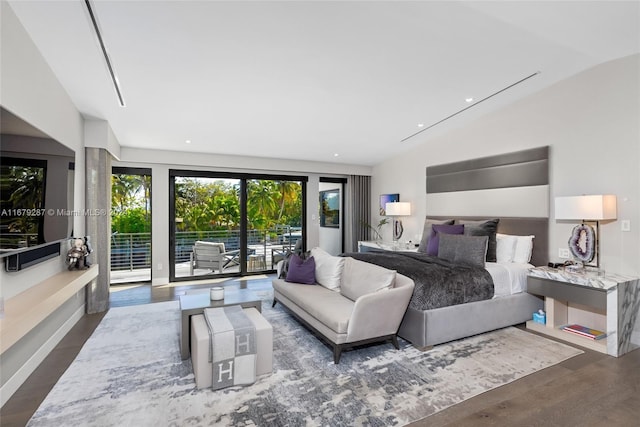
(517, 249)
(328, 269)
(524, 249)
(505, 248)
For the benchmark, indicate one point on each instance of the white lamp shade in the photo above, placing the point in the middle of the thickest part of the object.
(593, 207)
(398, 209)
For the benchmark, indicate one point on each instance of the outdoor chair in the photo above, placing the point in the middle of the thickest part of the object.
(212, 255)
(278, 254)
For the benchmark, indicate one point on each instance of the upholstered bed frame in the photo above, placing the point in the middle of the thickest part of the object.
(425, 328)
(513, 187)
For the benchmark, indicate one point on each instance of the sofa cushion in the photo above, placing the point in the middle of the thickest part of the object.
(301, 270)
(328, 307)
(328, 269)
(360, 278)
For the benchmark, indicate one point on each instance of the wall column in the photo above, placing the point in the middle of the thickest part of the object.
(98, 225)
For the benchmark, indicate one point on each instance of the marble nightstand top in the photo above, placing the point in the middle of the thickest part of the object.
(588, 278)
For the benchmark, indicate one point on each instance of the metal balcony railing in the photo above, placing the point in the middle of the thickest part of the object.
(130, 251)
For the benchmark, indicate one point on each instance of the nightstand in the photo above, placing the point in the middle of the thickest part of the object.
(609, 303)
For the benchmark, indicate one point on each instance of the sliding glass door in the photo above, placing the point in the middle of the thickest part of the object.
(207, 211)
(232, 224)
(274, 221)
(130, 225)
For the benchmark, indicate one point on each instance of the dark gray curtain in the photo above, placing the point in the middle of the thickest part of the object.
(359, 204)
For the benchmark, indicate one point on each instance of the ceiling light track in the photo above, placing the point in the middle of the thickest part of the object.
(114, 77)
(470, 106)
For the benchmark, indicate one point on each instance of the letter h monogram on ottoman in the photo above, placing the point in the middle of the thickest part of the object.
(230, 346)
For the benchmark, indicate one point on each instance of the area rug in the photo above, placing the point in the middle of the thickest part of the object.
(129, 372)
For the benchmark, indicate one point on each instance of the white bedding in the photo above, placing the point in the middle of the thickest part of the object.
(508, 278)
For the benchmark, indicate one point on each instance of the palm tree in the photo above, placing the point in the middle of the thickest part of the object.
(125, 191)
(27, 194)
(30, 182)
(261, 202)
(289, 193)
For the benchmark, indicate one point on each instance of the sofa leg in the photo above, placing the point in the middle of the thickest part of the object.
(394, 340)
(274, 303)
(337, 352)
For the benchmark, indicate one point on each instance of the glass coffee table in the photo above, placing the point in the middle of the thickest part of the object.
(196, 302)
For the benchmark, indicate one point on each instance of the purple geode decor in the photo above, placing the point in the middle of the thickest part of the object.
(582, 243)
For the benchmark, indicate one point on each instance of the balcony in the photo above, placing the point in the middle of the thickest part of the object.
(131, 252)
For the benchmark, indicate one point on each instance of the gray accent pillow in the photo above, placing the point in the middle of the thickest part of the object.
(426, 232)
(483, 228)
(460, 249)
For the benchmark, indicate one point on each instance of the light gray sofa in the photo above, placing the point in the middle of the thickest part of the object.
(367, 306)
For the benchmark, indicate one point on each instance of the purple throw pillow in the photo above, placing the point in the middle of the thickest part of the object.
(434, 239)
(301, 270)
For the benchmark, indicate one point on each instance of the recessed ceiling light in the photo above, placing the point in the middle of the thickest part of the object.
(420, 125)
(469, 101)
(188, 141)
(335, 154)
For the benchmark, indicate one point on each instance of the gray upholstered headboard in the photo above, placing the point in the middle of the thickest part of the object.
(512, 186)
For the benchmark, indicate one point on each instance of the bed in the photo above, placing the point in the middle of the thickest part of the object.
(513, 188)
(430, 320)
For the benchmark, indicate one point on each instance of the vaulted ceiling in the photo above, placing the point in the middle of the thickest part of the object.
(330, 81)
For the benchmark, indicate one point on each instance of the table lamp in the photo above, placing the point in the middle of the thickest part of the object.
(395, 210)
(584, 241)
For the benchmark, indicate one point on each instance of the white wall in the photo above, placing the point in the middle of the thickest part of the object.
(30, 90)
(590, 121)
(238, 163)
(160, 161)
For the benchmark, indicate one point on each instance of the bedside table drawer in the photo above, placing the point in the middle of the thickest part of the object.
(564, 291)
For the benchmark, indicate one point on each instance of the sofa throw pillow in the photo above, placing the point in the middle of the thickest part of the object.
(283, 266)
(460, 249)
(301, 270)
(328, 269)
(360, 278)
(436, 230)
(483, 228)
(426, 232)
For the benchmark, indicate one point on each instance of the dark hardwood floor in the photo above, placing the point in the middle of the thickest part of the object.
(591, 389)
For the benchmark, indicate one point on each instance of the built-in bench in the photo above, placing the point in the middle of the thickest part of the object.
(26, 310)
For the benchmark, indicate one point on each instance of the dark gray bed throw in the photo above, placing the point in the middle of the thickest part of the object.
(232, 353)
(439, 283)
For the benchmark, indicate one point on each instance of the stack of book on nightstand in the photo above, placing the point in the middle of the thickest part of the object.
(583, 331)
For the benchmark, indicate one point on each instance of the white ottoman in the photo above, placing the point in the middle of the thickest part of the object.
(202, 368)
